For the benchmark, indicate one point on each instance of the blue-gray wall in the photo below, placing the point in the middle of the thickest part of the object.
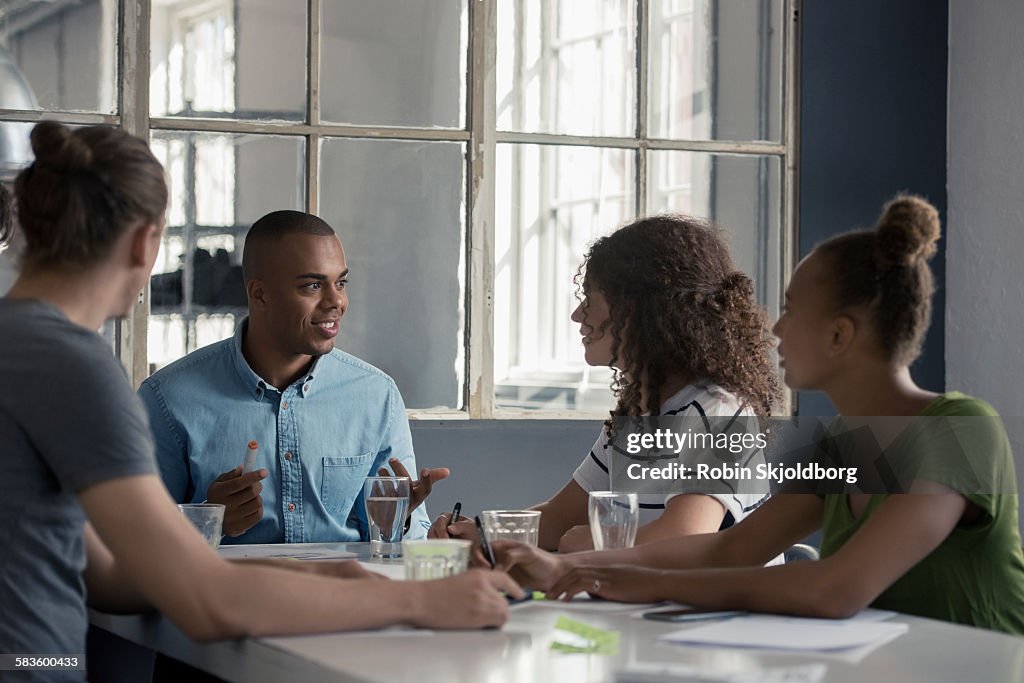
(499, 464)
(873, 123)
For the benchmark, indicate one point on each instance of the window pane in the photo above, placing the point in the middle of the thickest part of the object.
(715, 70)
(59, 55)
(219, 185)
(240, 59)
(567, 66)
(741, 194)
(551, 203)
(399, 209)
(394, 62)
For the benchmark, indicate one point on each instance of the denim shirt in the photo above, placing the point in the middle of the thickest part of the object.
(318, 438)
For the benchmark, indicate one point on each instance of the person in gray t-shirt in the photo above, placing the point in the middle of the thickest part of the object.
(84, 513)
(68, 420)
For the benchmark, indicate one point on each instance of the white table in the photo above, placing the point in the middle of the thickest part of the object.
(930, 651)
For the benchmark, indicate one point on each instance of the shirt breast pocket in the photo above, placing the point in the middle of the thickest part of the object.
(343, 482)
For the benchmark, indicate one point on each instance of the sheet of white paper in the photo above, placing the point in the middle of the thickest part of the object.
(584, 603)
(294, 551)
(789, 633)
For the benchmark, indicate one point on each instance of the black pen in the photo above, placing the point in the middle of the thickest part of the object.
(484, 545)
(455, 512)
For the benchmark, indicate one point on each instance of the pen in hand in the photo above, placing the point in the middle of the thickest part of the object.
(456, 511)
(484, 545)
(249, 464)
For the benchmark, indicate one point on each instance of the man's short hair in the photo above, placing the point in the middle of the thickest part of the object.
(274, 226)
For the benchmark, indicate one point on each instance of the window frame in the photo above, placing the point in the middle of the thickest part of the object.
(481, 137)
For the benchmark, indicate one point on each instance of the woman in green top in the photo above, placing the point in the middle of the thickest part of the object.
(856, 312)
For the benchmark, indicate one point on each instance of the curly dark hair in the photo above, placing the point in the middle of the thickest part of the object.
(678, 305)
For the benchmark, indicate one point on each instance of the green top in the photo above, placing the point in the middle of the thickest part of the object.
(976, 575)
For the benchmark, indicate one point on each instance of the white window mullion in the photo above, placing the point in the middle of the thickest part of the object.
(479, 390)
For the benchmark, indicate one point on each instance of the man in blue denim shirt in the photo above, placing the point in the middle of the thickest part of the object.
(324, 420)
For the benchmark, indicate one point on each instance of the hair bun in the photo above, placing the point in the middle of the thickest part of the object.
(56, 145)
(906, 232)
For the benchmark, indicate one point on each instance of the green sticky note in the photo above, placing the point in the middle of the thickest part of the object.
(573, 636)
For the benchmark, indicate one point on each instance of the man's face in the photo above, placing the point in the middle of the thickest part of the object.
(303, 294)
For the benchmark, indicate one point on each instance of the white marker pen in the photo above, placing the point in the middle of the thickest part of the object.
(249, 465)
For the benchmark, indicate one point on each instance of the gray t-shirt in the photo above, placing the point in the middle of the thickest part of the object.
(68, 420)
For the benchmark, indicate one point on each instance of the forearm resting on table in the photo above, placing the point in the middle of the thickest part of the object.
(810, 589)
(698, 550)
(159, 555)
(769, 530)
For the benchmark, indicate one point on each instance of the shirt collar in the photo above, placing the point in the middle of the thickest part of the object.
(253, 382)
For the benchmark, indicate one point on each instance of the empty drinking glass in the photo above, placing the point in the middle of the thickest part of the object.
(614, 518)
(387, 504)
(512, 525)
(208, 518)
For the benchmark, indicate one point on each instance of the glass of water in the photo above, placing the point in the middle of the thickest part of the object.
(208, 518)
(614, 518)
(512, 525)
(387, 505)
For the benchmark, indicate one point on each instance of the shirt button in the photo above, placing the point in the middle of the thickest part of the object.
(288, 455)
(305, 387)
(291, 507)
(284, 406)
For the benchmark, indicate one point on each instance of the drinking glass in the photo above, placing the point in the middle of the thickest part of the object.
(387, 504)
(614, 518)
(435, 558)
(512, 525)
(208, 518)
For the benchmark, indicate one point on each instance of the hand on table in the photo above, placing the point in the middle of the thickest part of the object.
(529, 565)
(472, 599)
(420, 488)
(622, 583)
(576, 539)
(240, 495)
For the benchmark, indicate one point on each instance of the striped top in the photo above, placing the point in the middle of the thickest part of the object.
(697, 400)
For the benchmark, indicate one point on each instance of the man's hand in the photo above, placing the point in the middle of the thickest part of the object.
(576, 539)
(472, 599)
(419, 489)
(530, 566)
(240, 495)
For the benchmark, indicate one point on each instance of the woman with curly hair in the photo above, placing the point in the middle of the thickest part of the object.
(940, 540)
(664, 306)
